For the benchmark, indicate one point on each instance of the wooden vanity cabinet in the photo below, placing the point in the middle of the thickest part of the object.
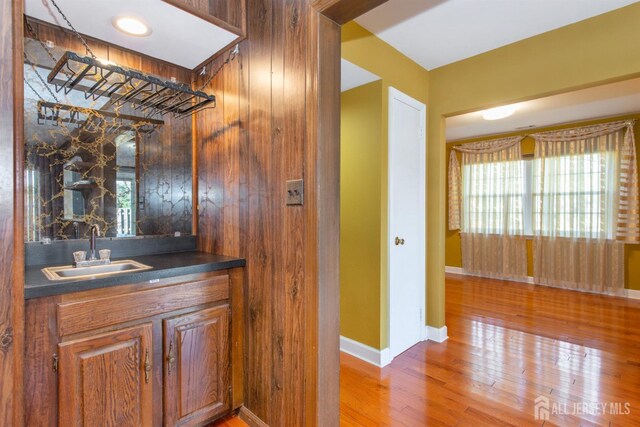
(106, 379)
(149, 354)
(197, 386)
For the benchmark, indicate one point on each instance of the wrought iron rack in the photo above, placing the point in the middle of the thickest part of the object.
(53, 113)
(121, 85)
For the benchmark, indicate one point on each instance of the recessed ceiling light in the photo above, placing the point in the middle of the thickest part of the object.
(499, 112)
(131, 26)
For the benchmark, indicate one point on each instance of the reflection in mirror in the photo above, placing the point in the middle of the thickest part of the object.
(73, 199)
(91, 162)
(126, 183)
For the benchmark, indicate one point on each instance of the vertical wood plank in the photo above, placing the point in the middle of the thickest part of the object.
(279, 138)
(211, 148)
(327, 169)
(41, 408)
(11, 223)
(17, 279)
(261, 251)
(237, 285)
(124, 58)
(294, 220)
(311, 218)
(65, 39)
(231, 159)
(227, 14)
(322, 243)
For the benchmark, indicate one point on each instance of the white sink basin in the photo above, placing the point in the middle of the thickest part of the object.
(71, 272)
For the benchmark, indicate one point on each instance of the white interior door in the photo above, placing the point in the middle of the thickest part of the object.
(407, 160)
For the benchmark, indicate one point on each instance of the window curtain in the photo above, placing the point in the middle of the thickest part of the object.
(486, 204)
(585, 206)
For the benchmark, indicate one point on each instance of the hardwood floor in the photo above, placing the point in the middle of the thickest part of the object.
(233, 421)
(509, 344)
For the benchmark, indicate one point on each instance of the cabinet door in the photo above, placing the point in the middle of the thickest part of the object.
(196, 369)
(106, 379)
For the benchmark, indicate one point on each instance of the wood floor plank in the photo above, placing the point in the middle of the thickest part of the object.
(509, 344)
(232, 421)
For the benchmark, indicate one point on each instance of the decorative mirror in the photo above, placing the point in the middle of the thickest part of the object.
(90, 160)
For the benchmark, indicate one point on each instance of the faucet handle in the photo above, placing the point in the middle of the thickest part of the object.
(105, 254)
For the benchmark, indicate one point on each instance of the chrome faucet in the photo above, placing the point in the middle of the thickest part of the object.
(95, 232)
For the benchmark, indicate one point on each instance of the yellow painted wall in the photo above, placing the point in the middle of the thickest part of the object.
(453, 251)
(588, 53)
(360, 184)
(362, 48)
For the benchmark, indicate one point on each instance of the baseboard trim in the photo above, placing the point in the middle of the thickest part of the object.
(628, 293)
(458, 270)
(632, 293)
(379, 358)
(250, 418)
(454, 270)
(437, 334)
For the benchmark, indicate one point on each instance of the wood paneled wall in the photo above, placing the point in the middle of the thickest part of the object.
(165, 179)
(227, 14)
(11, 228)
(247, 148)
(277, 119)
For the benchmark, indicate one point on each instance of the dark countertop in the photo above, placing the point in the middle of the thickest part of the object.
(163, 266)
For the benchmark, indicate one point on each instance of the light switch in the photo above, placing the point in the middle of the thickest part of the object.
(295, 192)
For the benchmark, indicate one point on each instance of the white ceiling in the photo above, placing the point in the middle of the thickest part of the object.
(609, 100)
(353, 76)
(438, 32)
(177, 36)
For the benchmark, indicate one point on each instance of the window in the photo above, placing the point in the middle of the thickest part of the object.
(125, 203)
(574, 195)
(32, 204)
(494, 197)
(577, 192)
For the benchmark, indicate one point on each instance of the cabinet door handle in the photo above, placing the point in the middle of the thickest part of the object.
(147, 367)
(170, 357)
(399, 241)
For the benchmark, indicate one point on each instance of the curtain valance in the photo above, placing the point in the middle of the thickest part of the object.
(584, 132)
(490, 146)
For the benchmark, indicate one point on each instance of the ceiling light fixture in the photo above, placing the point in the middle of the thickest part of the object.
(131, 26)
(499, 112)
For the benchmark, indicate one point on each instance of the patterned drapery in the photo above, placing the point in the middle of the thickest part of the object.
(585, 206)
(485, 202)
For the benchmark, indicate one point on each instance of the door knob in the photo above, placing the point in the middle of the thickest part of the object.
(399, 241)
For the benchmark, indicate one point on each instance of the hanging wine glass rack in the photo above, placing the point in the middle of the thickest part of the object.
(53, 113)
(148, 94)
